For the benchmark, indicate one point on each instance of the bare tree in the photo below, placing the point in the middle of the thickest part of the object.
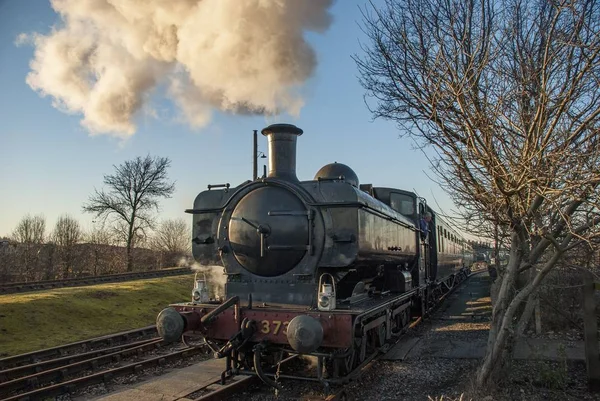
(30, 230)
(172, 241)
(506, 93)
(66, 234)
(100, 235)
(30, 233)
(173, 236)
(132, 195)
(100, 241)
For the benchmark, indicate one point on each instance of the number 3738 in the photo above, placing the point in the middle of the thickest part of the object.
(274, 327)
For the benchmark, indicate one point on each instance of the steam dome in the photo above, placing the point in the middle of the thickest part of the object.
(336, 171)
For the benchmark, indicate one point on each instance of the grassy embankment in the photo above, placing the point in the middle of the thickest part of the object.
(36, 320)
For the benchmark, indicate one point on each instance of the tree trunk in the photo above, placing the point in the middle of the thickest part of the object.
(130, 242)
(538, 316)
(498, 336)
(527, 314)
(129, 258)
(67, 266)
(532, 301)
(496, 247)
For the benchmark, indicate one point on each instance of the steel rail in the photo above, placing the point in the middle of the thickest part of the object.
(64, 371)
(19, 287)
(32, 369)
(103, 376)
(72, 348)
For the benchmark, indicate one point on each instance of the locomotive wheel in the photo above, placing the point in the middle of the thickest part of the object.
(362, 346)
(381, 335)
(348, 362)
(401, 321)
(405, 317)
(340, 367)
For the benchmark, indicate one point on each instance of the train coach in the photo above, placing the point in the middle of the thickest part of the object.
(326, 267)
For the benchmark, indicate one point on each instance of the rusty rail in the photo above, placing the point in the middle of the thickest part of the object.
(64, 362)
(73, 348)
(70, 386)
(12, 288)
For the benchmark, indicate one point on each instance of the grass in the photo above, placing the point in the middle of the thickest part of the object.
(32, 321)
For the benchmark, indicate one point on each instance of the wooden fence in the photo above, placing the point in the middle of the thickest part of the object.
(592, 352)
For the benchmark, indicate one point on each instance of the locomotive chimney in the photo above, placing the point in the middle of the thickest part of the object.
(282, 150)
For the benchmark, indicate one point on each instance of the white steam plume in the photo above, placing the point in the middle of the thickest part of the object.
(214, 276)
(240, 56)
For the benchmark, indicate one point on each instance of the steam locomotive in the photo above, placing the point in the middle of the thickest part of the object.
(327, 267)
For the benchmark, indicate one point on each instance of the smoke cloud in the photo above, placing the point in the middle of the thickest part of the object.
(238, 56)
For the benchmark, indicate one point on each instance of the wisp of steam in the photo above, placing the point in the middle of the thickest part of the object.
(215, 278)
(240, 56)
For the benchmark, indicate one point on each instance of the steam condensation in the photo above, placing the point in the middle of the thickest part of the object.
(240, 56)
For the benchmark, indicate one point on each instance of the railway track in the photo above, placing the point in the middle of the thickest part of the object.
(12, 288)
(79, 347)
(65, 369)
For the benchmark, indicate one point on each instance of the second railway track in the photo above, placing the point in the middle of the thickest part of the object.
(19, 287)
(66, 369)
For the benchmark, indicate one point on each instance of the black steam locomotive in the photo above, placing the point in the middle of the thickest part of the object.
(326, 267)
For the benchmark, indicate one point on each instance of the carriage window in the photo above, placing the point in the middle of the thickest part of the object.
(403, 204)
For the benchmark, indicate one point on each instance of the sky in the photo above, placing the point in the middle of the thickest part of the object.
(50, 163)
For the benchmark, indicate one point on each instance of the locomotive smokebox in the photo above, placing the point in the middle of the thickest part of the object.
(282, 150)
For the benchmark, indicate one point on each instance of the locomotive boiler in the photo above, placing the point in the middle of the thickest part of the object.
(326, 267)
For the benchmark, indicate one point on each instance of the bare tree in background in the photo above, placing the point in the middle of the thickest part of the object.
(30, 233)
(67, 233)
(101, 240)
(172, 239)
(173, 236)
(100, 235)
(30, 230)
(506, 93)
(132, 196)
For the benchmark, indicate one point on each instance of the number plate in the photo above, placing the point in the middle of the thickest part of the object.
(273, 327)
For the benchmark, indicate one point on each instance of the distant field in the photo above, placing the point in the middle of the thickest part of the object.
(32, 321)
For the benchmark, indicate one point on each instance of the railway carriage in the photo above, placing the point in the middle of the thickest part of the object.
(326, 267)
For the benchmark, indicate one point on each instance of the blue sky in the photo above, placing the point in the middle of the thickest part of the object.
(50, 164)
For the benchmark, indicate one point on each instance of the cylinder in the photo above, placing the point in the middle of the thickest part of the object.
(282, 150)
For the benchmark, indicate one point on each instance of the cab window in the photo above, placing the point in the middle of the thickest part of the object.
(403, 204)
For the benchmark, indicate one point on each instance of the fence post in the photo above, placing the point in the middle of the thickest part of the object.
(592, 354)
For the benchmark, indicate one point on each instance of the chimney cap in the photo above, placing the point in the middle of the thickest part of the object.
(281, 128)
